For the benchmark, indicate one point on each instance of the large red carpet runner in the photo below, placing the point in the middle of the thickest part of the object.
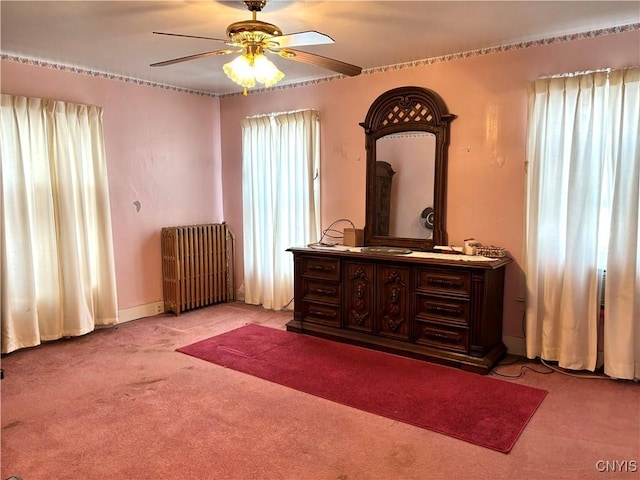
(478, 409)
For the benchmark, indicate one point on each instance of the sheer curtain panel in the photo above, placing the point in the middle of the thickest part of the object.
(281, 204)
(582, 211)
(58, 275)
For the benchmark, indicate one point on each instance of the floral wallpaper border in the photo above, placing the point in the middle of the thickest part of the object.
(369, 71)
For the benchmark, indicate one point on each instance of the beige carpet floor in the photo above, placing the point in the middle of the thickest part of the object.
(121, 403)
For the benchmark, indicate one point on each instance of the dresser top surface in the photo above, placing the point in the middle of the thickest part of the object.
(427, 258)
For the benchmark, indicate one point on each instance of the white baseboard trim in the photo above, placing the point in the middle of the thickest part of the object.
(515, 345)
(141, 311)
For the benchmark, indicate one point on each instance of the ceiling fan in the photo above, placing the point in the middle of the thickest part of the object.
(252, 38)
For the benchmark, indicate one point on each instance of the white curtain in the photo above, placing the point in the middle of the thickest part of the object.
(281, 204)
(58, 275)
(582, 214)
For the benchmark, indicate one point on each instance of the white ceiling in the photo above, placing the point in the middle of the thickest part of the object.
(115, 36)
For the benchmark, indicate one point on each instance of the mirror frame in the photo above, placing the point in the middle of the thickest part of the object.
(407, 109)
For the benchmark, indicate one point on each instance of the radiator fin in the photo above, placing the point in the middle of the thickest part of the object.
(197, 266)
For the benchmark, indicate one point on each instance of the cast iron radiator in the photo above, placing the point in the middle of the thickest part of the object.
(197, 266)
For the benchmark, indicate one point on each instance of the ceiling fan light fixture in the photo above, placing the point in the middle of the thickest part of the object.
(255, 37)
(240, 70)
(265, 71)
(252, 65)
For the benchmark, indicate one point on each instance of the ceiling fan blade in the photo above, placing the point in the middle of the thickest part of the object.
(320, 61)
(192, 57)
(190, 36)
(310, 37)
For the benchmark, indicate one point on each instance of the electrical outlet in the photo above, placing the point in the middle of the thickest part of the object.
(159, 307)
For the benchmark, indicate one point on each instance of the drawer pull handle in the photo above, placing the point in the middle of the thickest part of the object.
(321, 268)
(444, 310)
(328, 292)
(444, 282)
(442, 337)
(320, 314)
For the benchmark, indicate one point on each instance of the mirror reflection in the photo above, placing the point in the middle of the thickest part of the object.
(404, 192)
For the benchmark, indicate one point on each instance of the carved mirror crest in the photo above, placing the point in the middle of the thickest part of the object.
(407, 140)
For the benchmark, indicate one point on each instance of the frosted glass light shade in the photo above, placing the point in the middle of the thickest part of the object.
(265, 71)
(240, 71)
(246, 69)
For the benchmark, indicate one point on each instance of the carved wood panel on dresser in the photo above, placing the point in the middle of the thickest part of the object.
(393, 301)
(443, 311)
(359, 297)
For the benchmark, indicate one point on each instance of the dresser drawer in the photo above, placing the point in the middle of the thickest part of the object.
(440, 336)
(322, 268)
(320, 291)
(443, 281)
(321, 313)
(442, 309)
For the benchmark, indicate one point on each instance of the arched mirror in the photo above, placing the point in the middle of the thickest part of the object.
(407, 141)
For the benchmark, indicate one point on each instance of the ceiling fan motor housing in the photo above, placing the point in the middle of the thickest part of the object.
(252, 31)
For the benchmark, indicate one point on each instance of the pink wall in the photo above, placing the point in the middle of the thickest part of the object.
(486, 156)
(173, 151)
(163, 150)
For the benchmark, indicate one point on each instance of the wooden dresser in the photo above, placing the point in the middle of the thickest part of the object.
(438, 309)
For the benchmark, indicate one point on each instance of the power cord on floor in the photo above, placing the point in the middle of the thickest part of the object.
(523, 369)
(576, 375)
(288, 303)
(550, 369)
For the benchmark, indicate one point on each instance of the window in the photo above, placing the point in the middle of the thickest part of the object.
(281, 200)
(582, 212)
(58, 275)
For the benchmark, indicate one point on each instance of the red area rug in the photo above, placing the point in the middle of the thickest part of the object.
(478, 409)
